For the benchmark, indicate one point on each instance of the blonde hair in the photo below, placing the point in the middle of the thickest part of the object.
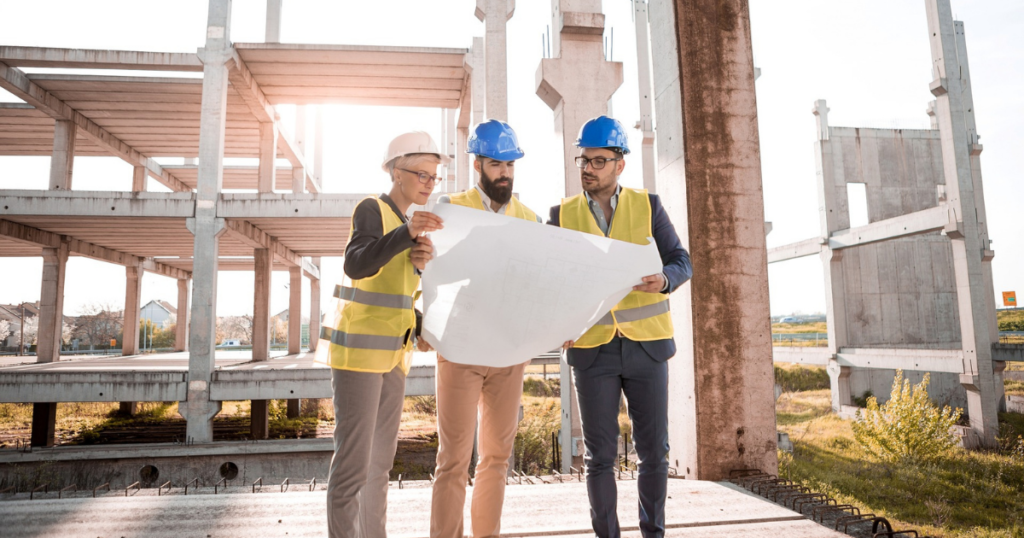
(413, 159)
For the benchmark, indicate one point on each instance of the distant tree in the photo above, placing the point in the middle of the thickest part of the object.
(67, 330)
(238, 327)
(5, 329)
(278, 330)
(99, 323)
(31, 329)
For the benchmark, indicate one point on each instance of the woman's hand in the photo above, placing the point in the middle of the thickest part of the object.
(568, 344)
(423, 345)
(422, 252)
(423, 222)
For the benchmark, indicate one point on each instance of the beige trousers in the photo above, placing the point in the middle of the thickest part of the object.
(367, 414)
(462, 392)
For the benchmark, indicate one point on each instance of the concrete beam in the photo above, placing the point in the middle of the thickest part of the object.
(919, 222)
(817, 356)
(267, 171)
(44, 422)
(258, 239)
(242, 206)
(96, 204)
(51, 303)
(291, 151)
(100, 59)
(272, 384)
(63, 159)
(273, 28)
(16, 82)
(800, 249)
(1008, 352)
(245, 85)
(35, 236)
(927, 360)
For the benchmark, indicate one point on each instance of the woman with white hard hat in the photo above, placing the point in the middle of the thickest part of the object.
(369, 336)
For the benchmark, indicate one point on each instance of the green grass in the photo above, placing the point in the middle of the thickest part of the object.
(794, 328)
(795, 377)
(967, 494)
(1010, 320)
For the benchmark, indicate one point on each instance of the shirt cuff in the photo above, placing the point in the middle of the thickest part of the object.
(665, 287)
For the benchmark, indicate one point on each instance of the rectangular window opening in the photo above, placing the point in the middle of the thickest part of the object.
(857, 202)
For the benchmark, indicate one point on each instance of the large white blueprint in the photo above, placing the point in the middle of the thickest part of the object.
(501, 290)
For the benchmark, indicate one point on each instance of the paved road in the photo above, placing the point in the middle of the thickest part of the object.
(694, 509)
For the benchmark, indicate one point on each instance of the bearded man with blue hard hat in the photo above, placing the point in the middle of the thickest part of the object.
(625, 352)
(465, 390)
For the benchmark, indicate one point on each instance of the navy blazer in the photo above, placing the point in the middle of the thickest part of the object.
(677, 269)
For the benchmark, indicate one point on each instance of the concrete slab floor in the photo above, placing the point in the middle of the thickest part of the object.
(694, 508)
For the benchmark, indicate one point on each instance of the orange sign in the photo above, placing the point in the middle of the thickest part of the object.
(1009, 298)
(113, 342)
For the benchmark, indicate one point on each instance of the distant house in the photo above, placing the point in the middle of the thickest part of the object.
(159, 312)
(12, 314)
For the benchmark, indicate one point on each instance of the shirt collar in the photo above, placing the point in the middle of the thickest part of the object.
(487, 200)
(614, 200)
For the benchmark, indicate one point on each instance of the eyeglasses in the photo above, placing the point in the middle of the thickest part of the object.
(597, 162)
(423, 176)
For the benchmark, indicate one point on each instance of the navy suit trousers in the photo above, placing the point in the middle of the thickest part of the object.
(623, 367)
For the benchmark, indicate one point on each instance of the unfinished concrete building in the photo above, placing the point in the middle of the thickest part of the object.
(912, 289)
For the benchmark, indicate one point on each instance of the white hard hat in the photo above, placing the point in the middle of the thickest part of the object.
(410, 143)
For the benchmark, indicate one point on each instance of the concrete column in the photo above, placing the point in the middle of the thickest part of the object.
(139, 176)
(299, 174)
(132, 300)
(199, 409)
(643, 60)
(268, 154)
(261, 333)
(451, 147)
(968, 237)
(314, 308)
(44, 424)
(477, 64)
(318, 146)
(462, 174)
(578, 82)
(495, 14)
(294, 310)
(264, 261)
(259, 421)
(51, 303)
(726, 399)
(63, 159)
(128, 409)
(181, 326)
(273, 30)
(833, 215)
(998, 367)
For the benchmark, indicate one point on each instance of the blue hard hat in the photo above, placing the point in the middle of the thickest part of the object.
(496, 140)
(603, 132)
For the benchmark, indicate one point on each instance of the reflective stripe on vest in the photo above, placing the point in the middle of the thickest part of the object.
(514, 208)
(640, 316)
(361, 341)
(370, 328)
(372, 298)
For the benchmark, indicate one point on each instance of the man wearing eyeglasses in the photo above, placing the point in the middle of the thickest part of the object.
(625, 352)
(465, 390)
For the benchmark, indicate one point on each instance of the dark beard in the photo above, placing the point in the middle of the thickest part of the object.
(498, 194)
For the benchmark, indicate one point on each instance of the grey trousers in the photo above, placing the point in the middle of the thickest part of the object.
(367, 413)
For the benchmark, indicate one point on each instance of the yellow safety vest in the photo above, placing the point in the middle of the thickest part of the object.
(514, 208)
(640, 316)
(375, 317)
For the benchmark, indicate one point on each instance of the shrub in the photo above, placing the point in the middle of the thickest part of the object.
(542, 388)
(533, 439)
(426, 405)
(799, 379)
(907, 428)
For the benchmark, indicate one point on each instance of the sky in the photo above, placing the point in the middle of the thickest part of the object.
(869, 59)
